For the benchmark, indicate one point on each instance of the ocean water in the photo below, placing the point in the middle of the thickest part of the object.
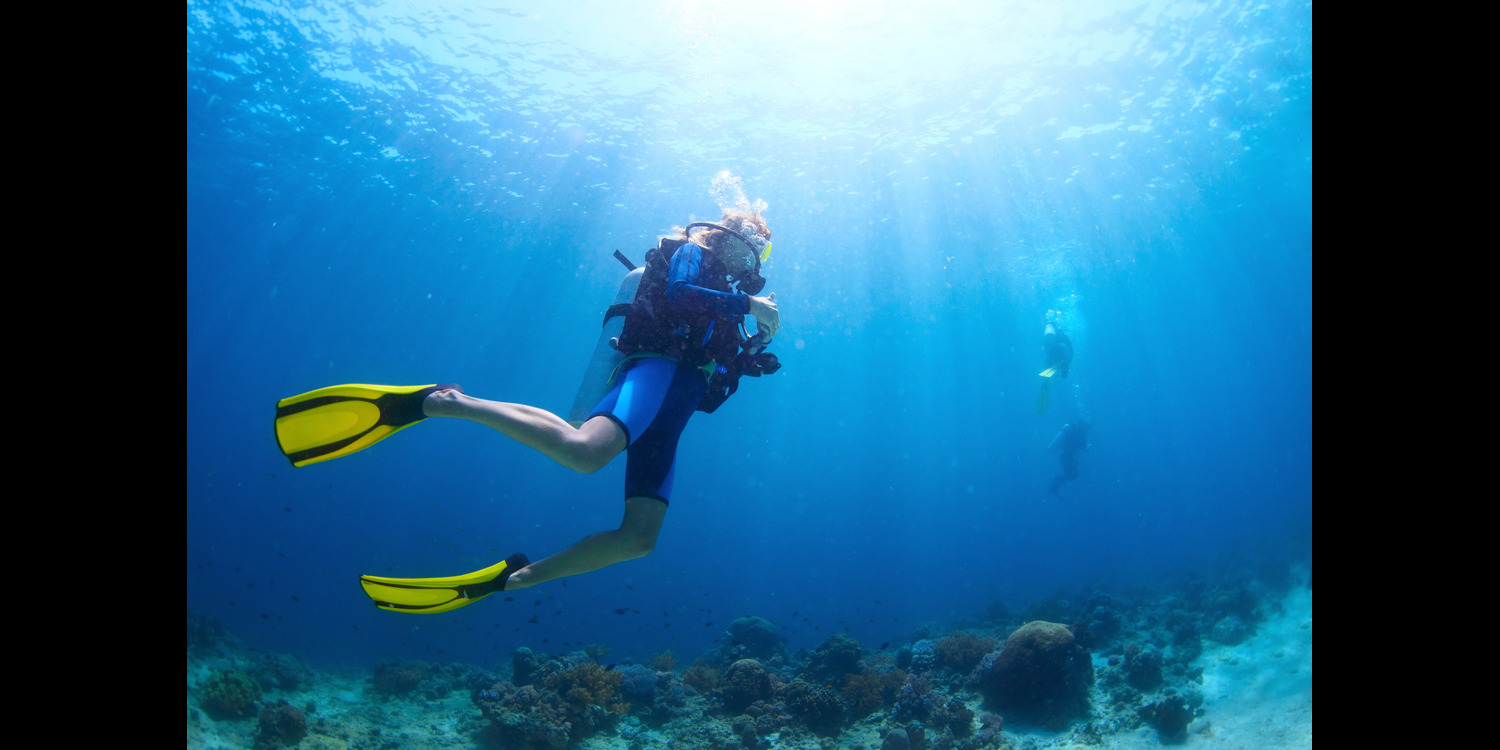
(431, 192)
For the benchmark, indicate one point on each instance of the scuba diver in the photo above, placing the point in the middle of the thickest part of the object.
(1057, 354)
(682, 347)
(1070, 439)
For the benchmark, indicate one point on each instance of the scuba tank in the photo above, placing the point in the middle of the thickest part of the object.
(601, 367)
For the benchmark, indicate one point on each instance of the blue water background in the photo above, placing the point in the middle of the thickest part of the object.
(416, 194)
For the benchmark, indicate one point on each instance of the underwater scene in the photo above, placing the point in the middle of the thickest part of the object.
(792, 374)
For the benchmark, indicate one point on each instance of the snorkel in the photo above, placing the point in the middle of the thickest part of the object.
(747, 279)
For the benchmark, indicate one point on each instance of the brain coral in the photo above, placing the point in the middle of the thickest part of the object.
(1042, 676)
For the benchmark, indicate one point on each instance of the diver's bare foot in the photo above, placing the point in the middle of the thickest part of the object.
(444, 403)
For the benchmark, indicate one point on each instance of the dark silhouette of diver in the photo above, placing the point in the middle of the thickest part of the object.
(1070, 439)
(1057, 355)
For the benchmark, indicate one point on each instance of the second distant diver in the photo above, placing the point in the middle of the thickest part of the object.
(1057, 355)
(1073, 437)
(685, 349)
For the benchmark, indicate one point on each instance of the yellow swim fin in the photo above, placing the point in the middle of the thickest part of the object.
(342, 419)
(1049, 372)
(425, 596)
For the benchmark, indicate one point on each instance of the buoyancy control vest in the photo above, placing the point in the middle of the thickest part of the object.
(693, 338)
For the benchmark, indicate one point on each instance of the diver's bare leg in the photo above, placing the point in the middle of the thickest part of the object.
(584, 449)
(635, 538)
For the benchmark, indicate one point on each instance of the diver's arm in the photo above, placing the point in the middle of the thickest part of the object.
(684, 294)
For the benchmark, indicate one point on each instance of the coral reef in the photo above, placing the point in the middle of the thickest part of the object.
(1142, 667)
(281, 725)
(1169, 717)
(279, 672)
(525, 665)
(1042, 675)
(955, 716)
(838, 694)
(523, 717)
(896, 740)
(701, 676)
(398, 676)
(744, 683)
(868, 691)
(833, 659)
(990, 726)
(918, 657)
(588, 685)
(961, 651)
(638, 684)
(230, 695)
(662, 662)
(817, 706)
(567, 700)
(915, 699)
(752, 638)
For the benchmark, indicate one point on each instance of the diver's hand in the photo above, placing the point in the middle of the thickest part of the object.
(767, 319)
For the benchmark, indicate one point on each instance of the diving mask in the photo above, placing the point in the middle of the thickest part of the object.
(748, 279)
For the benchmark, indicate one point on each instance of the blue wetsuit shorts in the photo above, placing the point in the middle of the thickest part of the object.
(652, 402)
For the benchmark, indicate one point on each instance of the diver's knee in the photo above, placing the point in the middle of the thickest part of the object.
(587, 456)
(588, 462)
(637, 546)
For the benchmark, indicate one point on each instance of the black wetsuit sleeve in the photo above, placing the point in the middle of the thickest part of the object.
(684, 294)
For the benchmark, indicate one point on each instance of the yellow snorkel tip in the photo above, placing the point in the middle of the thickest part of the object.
(765, 254)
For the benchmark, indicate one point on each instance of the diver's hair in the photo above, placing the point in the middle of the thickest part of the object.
(710, 239)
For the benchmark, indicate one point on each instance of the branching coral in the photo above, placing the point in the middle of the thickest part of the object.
(701, 676)
(662, 662)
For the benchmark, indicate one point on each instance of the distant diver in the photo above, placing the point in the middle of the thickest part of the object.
(674, 343)
(1073, 437)
(1057, 355)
